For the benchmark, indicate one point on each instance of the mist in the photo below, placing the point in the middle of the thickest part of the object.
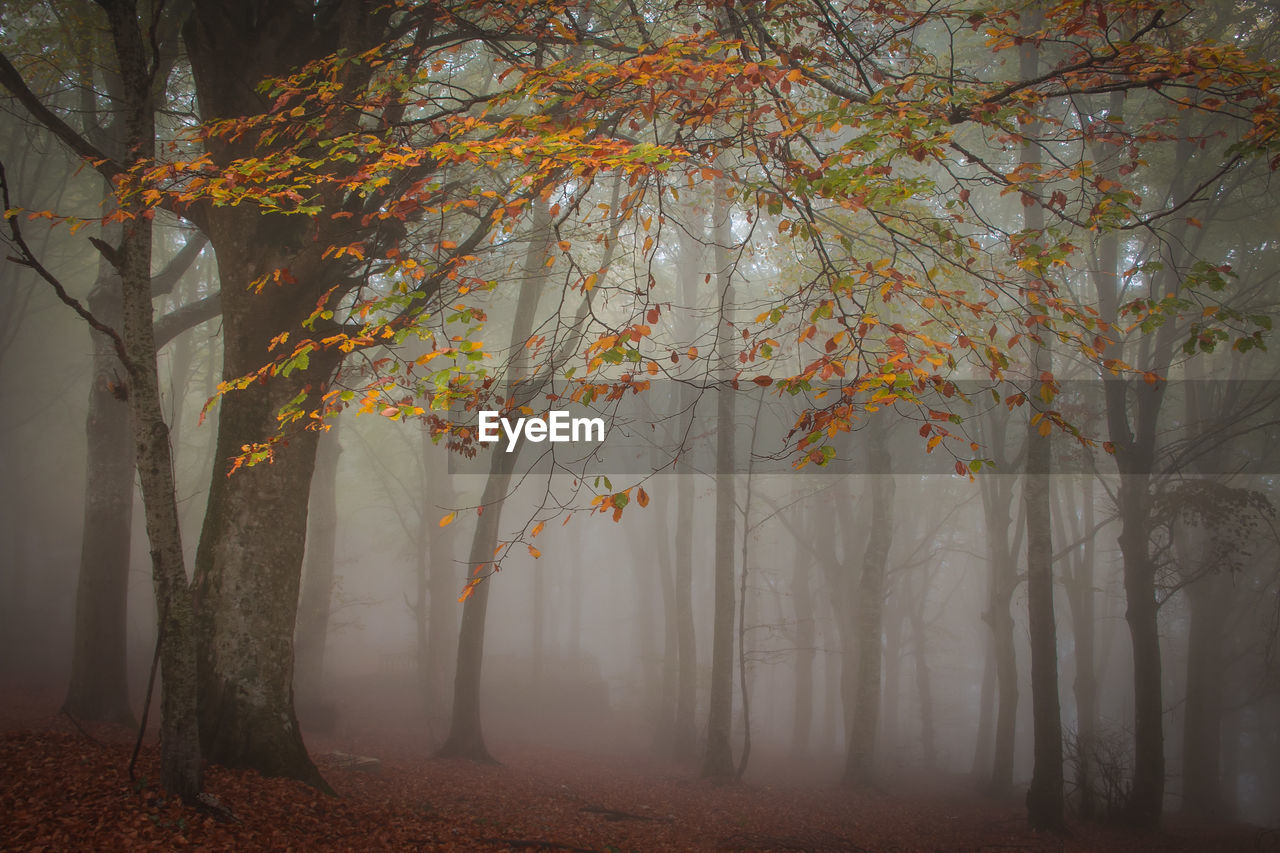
(920, 460)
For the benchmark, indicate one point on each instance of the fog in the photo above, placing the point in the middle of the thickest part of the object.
(945, 473)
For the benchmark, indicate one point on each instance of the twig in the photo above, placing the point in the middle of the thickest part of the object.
(28, 259)
(82, 729)
(151, 683)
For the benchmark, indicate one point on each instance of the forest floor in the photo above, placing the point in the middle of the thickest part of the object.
(63, 787)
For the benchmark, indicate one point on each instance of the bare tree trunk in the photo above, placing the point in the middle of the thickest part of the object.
(924, 688)
(466, 736)
(1045, 796)
(1080, 597)
(997, 500)
(1208, 596)
(718, 762)
(442, 581)
(180, 764)
(860, 759)
(99, 688)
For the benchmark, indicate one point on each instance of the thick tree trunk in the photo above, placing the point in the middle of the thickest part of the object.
(99, 688)
(1202, 724)
(860, 758)
(248, 570)
(249, 560)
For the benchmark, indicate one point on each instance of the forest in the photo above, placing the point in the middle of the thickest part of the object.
(601, 425)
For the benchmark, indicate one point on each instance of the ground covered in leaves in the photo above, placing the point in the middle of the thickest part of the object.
(63, 787)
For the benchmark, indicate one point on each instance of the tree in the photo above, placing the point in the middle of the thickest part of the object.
(135, 346)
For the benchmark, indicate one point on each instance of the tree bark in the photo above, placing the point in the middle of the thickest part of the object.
(860, 757)
(1208, 597)
(1045, 796)
(718, 761)
(1002, 582)
(180, 760)
(1080, 598)
(99, 688)
(250, 555)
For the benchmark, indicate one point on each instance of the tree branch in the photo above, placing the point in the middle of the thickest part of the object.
(28, 259)
(186, 317)
(163, 282)
(12, 80)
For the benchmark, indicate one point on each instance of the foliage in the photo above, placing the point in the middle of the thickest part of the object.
(874, 144)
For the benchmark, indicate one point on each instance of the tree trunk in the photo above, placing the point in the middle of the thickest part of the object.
(1080, 598)
(99, 688)
(802, 602)
(466, 736)
(1208, 596)
(317, 581)
(442, 581)
(924, 686)
(248, 570)
(1002, 582)
(718, 762)
(685, 738)
(180, 762)
(466, 733)
(664, 740)
(249, 560)
(860, 759)
(1045, 797)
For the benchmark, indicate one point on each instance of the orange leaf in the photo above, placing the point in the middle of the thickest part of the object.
(448, 519)
(642, 497)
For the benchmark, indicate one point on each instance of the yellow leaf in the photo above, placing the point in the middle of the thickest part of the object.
(448, 519)
(537, 528)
